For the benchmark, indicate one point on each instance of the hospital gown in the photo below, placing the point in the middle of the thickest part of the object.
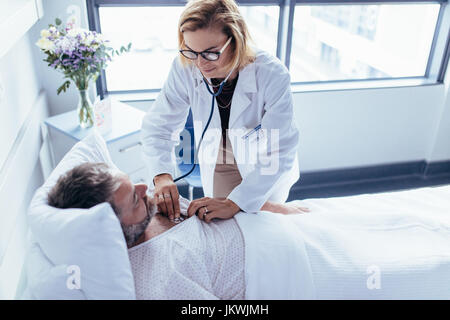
(192, 260)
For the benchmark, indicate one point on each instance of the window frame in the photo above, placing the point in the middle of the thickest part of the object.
(436, 65)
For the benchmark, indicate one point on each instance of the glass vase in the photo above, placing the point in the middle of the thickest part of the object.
(85, 110)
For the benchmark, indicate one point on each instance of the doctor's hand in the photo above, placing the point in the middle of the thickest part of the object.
(166, 195)
(209, 208)
(284, 208)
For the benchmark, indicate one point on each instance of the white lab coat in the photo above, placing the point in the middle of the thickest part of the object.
(262, 96)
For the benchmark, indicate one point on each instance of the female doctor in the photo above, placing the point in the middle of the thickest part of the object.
(248, 155)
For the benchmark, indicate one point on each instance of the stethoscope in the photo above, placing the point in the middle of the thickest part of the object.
(214, 95)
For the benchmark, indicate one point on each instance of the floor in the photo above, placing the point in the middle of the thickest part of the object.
(299, 192)
(374, 186)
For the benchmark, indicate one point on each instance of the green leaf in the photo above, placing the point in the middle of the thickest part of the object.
(63, 87)
(58, 21)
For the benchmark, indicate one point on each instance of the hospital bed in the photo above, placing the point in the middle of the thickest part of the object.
(393, 245)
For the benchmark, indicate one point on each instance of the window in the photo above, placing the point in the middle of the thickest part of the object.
(319, 41)
(262, 22)
(153, 33)
(342, 42)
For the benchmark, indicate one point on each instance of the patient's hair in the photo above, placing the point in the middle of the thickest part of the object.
(85, 186)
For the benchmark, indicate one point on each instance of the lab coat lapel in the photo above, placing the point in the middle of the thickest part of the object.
(245, 86)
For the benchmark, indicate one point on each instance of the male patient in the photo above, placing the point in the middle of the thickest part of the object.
(189, 260)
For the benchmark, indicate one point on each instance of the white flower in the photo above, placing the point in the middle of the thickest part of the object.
(54, 31)
(66, 44)
(99, 38)
(46, 44)
(77, 31)
(89, 39)
(45, 33)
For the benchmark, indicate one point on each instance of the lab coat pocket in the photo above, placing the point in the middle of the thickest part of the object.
(261, 140)
(255, 140)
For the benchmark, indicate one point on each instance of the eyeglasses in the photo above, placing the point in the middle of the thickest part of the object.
(208, 55)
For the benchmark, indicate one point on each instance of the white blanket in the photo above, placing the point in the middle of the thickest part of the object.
(373, 246)
(276, 264)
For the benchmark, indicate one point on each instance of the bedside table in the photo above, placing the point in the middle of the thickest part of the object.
(123, 140)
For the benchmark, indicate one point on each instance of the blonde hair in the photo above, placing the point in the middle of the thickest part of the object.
(223, 14)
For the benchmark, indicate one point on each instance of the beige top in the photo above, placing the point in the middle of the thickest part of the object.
(226, 174)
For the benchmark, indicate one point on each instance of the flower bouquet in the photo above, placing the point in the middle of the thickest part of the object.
(81, 55)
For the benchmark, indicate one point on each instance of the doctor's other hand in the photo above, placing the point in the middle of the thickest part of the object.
(284, 208)
(210, 208)
(166, 195)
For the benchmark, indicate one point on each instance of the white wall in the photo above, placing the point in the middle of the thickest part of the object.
(352, 128)
(440, 146)
(22, 108)
(18, 183)
(21, 86)
(365, 127)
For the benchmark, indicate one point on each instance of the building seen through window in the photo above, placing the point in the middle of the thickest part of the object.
(343, 42)
(329, 42)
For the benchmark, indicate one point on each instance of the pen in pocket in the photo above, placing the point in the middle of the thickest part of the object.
(252, 131)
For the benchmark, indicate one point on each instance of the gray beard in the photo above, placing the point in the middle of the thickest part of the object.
(134, 231)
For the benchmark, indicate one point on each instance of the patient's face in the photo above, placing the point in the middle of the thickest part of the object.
(136, 208)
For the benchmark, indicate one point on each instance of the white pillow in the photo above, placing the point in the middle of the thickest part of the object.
(90, 239)
(46, 280)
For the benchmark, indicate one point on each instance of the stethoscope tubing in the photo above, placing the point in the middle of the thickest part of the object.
(214, 95)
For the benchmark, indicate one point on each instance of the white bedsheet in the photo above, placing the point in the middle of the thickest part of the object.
(373, 246)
